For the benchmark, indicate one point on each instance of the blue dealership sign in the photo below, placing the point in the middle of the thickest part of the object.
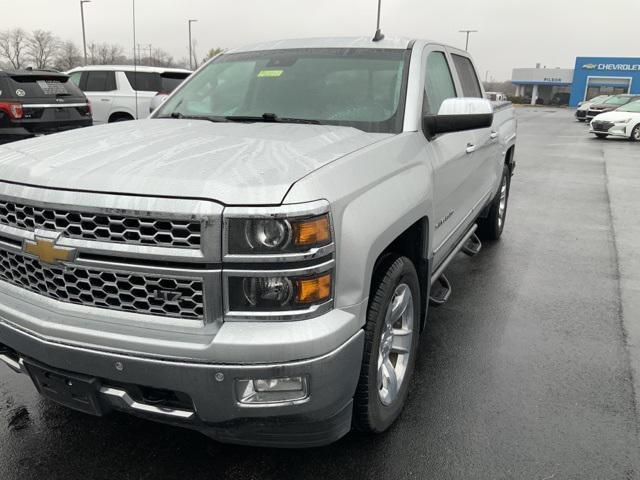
(619, 73)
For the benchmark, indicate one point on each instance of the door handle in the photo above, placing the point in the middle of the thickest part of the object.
(494, 135)
(471, 148)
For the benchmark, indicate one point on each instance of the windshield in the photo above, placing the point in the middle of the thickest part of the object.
(630, 107)
(599, 99)
(617, 101)
(362, 88)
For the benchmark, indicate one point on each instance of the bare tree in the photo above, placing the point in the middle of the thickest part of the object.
(105, 54)
(161, 58)
(13, 44)
(68, 56)
(42, 46)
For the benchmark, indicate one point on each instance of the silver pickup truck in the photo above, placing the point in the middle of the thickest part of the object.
(256, 260)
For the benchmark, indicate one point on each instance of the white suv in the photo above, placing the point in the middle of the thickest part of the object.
(113, 90)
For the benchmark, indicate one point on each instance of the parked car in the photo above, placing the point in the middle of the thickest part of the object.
(115, 91)
(583, 107)
(257, 259)
(610, 104)
(560, 98)
(34, 102)
(496, 96)
(623, 122)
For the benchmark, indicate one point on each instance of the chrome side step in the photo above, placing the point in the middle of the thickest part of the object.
(440, 292)
(440, 285)
(472, 246)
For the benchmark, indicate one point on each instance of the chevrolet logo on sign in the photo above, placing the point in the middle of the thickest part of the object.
(45, 250)
(590, 66)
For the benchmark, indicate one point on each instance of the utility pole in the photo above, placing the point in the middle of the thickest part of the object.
(84, 36)
(468, 32)
(191, 45)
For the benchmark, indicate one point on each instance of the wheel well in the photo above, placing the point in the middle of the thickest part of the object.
(508, 159)
(412, 243)
(120, 115)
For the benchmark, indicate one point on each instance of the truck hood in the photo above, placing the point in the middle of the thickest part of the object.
(233, 163)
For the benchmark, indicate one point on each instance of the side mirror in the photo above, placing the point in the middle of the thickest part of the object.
(459, 115)
(157, 101)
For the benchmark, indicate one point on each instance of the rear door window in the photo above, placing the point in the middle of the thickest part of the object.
(468, 77)
(99, 81)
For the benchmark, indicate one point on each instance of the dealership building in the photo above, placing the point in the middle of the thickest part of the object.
(592, 76)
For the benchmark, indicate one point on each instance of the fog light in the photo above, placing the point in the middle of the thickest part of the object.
(272, 390)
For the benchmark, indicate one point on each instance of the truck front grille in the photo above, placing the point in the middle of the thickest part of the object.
(103, 227)
(139, 293)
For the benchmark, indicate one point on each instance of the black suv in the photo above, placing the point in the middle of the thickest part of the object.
(39, 102)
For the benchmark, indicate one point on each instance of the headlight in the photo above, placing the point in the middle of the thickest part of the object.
(252, 236)
(279, 293)
(278, 262)
(625, 121)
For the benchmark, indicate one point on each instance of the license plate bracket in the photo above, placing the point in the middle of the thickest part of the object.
(72, 390)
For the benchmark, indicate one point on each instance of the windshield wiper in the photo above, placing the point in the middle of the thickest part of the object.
(210, 118)
(270, 118)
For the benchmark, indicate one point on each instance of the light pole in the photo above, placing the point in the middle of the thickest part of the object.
(84, 37)
(191, 45)
(468, 32)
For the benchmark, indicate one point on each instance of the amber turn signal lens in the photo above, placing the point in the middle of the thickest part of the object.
(314, 231)
(313, 290)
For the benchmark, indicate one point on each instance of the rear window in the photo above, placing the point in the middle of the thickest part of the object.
(155, 82)
(41, 86)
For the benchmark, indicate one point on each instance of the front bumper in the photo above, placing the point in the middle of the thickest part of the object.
(615, 131)
(323, 417)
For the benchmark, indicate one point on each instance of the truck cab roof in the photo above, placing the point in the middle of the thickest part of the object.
(395, 43)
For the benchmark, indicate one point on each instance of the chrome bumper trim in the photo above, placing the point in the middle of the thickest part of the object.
(17, 367)
(122, 399)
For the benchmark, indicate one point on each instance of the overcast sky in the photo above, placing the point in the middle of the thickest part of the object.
(512, 33)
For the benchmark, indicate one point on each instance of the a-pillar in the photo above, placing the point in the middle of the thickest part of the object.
(534, 95)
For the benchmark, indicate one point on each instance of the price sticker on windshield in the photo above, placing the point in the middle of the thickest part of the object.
(270, 73)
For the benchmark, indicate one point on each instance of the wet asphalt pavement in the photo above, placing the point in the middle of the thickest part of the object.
(527, 373)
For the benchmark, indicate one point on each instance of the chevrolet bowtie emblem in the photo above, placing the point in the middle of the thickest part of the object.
(47, 252)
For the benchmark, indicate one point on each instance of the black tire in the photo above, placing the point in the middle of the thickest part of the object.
(120, 117)
(601, 135)
(635, 134)
(490, 228)
(370, 414)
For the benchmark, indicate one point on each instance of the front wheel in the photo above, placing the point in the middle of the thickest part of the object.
(391, 343)
(491, 227)
(635, 134)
